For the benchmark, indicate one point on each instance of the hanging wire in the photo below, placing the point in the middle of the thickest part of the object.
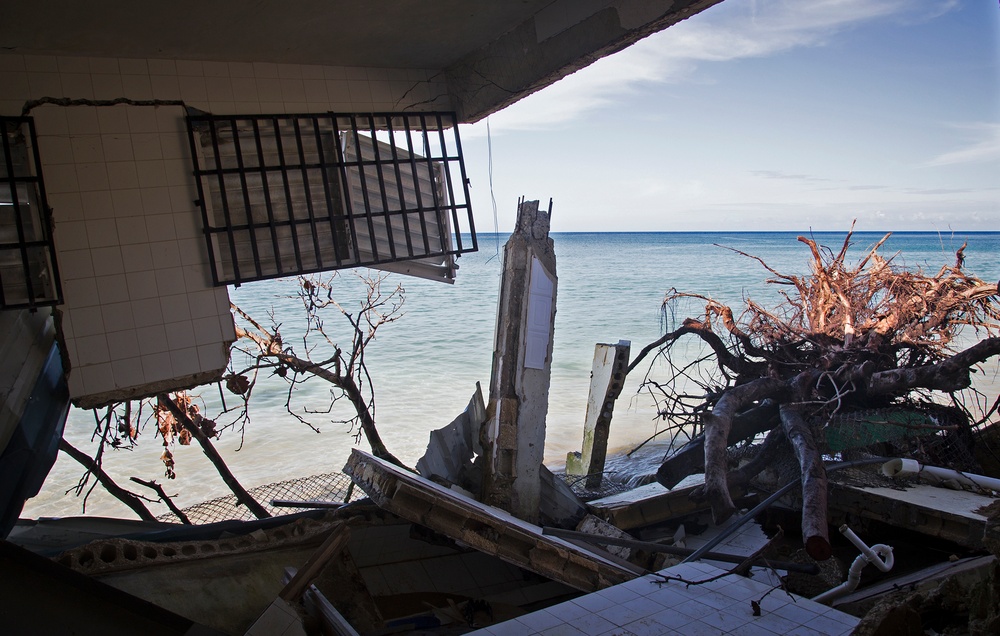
(493, 199)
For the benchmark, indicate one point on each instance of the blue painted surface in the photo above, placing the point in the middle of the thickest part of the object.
(33, 447)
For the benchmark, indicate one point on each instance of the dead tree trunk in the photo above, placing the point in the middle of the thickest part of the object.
(690, 459)
(815, 532)
(843, 339)
(951, 374)
(740, 477)
(717, 425)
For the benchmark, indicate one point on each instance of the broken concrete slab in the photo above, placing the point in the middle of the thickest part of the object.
(607, 378)
(245, 569)
(597, 526)
(559, 505)
(449, 461)
(924, 580)
(964, 603)
(487, 529)
(280, 617)
(937, 512)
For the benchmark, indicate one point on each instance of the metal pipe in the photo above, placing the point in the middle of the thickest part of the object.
(729, 530)
(648, 546)
(290, 503)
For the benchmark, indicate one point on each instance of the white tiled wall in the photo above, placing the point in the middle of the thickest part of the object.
(140, 308)
(140, 311)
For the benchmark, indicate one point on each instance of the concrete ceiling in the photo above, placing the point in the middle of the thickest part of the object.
(491, 53)
(386, 33)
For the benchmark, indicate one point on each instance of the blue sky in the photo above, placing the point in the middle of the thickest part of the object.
(765, 115)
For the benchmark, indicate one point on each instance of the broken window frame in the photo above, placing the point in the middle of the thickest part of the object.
(29, 274)
(271, 192)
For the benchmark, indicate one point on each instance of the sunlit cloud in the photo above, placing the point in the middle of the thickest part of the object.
(984, 147)
(729, 31)
(786, 176)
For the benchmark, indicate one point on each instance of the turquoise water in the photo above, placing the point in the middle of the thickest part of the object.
(426, 365)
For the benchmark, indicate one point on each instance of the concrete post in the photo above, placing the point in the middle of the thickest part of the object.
(513, 436)
(607, 377)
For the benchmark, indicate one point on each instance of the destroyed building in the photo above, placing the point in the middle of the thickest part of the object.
(152, 158)
(136, 144)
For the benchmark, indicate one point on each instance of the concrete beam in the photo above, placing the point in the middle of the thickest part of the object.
(607, 378)
(562, 38)
(481, 527)
(513, 436)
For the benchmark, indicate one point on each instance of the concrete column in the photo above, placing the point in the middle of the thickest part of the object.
(607, 377)
(513, 436)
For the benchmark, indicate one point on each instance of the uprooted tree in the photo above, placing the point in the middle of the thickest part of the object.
(841, 339)
(259, 353)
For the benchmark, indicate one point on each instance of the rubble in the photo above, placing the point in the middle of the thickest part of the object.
(483, 532)
(487, 529)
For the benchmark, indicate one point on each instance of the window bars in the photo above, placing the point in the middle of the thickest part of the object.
(29, 277)
(292, 194)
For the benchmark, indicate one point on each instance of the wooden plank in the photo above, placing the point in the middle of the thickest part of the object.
(649, 546)
(652, 504)
(307, 573)
(332, 622)
(487, 529)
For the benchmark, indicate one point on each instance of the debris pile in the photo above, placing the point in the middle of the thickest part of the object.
(852, 356)
(855, 362)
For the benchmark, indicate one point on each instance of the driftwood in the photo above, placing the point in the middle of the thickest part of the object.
(844, 339)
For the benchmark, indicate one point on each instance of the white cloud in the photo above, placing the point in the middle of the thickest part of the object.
(983, 148)
(729, 31)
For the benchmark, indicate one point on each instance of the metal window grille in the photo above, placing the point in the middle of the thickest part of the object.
(29, 277)
(292, 194)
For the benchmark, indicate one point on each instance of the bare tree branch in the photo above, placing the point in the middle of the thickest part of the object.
(129, 499)
(165, 402)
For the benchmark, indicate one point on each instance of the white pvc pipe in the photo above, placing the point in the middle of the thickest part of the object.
(872, 554)
(935, 474)
(880, 555)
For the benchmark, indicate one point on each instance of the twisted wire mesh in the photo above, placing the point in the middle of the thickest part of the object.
(323, 487)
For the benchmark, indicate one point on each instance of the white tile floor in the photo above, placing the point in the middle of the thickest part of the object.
(643, 607)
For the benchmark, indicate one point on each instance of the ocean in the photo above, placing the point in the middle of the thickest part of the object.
(425, 366)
